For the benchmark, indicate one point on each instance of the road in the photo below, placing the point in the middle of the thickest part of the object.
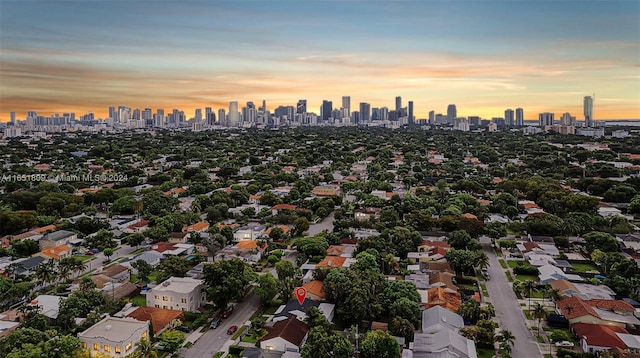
(508, 311)
(325, 224)
(215, 340)
(96, 263)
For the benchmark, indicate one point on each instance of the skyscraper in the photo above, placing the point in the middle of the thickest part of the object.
(398, 104)
(432, 117)
(588, 111)
(545, 119)
(346, 105)
(301, 107)
(13, 118)
(325, 110)
(509, 118)
(112, 112)
(452, 113)
(384, 113)
(519, 117)
(375, 114)
(365, 112)
(222, 117)
(411, 119)
(198, 114)
(234, 116)
(565, 120)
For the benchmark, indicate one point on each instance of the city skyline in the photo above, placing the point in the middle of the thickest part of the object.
(485, 57)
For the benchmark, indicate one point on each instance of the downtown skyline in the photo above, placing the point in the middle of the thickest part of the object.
(70, 56)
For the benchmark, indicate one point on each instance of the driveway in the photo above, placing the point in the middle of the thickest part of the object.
(508, 311)
(215, 340)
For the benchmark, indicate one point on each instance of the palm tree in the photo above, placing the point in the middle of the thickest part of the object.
(482, 260)
(12, 270)
(137, 207)
(145, 349)
(539, 313)
(390, 263)
(507, 341)
(517, 287)
(487, 311)
(528, 287)
(46, 272)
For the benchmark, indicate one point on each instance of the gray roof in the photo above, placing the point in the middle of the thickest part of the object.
(444, 343)
(438, 318)
(30, 263)
(58, 235)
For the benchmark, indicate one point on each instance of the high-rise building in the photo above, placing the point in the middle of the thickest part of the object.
(588, 111)
(519, 117)
(375, 114)
(398, 104)
(137, 114)
(325, 110)
(112, 112)
(301, 107)
(509, 117)
(565, 120)
(207, 115)
(365, 112)
(198, 114)
(222, 117)
(384, 113)
(452, 113)
(12, 119)
(545, 119)
(432, 117)
(234, 115)
(124, 114)
(346, 105)
(411, 118)
(147, 114)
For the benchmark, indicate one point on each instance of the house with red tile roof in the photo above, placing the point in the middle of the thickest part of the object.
(596, 338)
(197, 227)
(315, 290)
(55, 252)
(160, 318)
(443, 297)
(598, 311)
(331, 262)
(288, 335)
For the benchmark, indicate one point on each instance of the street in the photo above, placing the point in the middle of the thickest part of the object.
(96, 263)
(324, 224)
(508, 311)
(215, 340)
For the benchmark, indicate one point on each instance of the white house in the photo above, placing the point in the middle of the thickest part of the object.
(113, 337)
(285, 336)
(178, 293)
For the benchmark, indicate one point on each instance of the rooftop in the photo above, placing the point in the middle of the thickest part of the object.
(178, 284)
(114, 329)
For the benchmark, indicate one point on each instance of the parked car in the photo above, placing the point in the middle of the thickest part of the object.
(564, 344)
(215, 323)
(227, 312)
(184, 329)
(95, 251)
(106, 261)
(89, 253)
(232, 330)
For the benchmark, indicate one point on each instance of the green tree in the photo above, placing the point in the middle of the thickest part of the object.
(407, 309)
(171, 340)
(144, 349)
(108, 252)
(267, 288)
(173, 266)
(227, 280)
(539, 313)
(402, 328)
(461, 240)
(379, 344)
(144, 270)
(285, 269)
(301, 225)
(103, 239)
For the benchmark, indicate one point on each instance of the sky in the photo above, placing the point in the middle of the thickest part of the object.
(483, 55)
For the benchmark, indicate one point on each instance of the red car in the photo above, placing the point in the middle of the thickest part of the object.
(232, 330)
(227, 312)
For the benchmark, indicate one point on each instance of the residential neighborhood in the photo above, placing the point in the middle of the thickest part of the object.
(321, 242)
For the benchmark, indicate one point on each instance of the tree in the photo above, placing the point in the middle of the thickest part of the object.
(145, 349)
(634, 205)
(301, 225)
(470, 311)
(135, 239)
(267, 288)
(171, 340)
(539, 313)
(103, 239)
(322, 343)
(507, 341)
(602, 241)
(407, 309)
(227, 280)
(528, 287)
(144, 270)
(365, 262)
(403, 328)
(379, 344)
(495, 230)
(461, 240)
(284, 269)
(108, 253)
(173, 266)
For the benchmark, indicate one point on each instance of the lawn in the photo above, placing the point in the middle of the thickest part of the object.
(485, 353)
(508, 273)
(239, 332)
(139, 300)
(502, 263)
(515, 263)
(271, 310)
(485, 292)
(583, 267)
(527, 278)
(84, 258)
(218, 355)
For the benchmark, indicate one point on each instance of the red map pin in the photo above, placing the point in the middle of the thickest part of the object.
(301, 293)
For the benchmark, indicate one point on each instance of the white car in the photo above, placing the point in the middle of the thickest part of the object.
(564, 344)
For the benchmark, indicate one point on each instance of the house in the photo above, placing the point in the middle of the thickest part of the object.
(179, 237)
(151, 257)
(197, 227)
(585, 291)
(596, 338)
(438, 318)
(117, 273)
(287, 335)
(246, 250)
(331, 262)
(279, 207)
(55, 252)
(445, 297)
(249, 232)
(57, 238)
(159, 318)
(178, 293)
(286, 230)
(49, 305)
(629, 241)
(315, 290)
(443, 343)
(597, 311)
(139, 227)
(113, 337)
(27, 266)
(442, 279)
(549, 273)
(326, 190)
(366, 214)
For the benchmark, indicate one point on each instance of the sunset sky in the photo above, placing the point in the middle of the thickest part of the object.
(484, 56)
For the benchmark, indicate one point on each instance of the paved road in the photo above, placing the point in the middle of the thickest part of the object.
(325, 224)
(508, 311)
(215, 340)
(96, 263)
